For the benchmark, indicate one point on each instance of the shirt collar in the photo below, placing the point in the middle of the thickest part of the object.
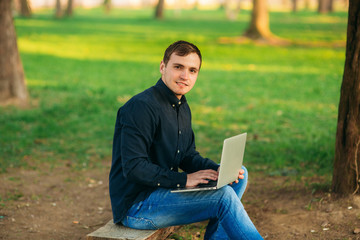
(170, 96)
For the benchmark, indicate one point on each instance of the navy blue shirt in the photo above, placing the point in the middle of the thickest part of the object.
(153, 138)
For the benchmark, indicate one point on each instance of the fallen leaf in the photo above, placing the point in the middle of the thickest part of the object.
(325, 224)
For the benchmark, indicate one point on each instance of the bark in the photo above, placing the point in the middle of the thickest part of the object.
(25, 10)
(347, 149)
(159, 11)
(58, 13)
(294, 5)
(12, 80)
(325, 6)
(259, 25)
(69, 8)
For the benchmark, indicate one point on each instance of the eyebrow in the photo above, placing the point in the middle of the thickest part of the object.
(181, 65)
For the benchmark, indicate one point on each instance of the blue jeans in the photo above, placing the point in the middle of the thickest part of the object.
(228, 218)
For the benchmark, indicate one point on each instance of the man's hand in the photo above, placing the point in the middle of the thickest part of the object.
(241, 176)
(202, 176)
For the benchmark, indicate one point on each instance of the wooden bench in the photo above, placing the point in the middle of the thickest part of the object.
(113, 231)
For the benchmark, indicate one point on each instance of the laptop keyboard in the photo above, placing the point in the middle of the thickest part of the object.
(211, 183)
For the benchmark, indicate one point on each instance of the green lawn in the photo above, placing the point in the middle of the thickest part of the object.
(80, 70)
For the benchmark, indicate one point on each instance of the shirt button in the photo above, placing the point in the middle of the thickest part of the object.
(178, 151)
(171, 168)
(159, 184)
(180, 132)
(178, 185)
(179, 102)
(173, 105)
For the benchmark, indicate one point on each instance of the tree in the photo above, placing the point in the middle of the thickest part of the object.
(58, 13)
(346, 173)
(259, 25)
(69, 8)
(294, 5)
(325, 6)
(12, 79)
(25, 10)
(107, 6)
(159, 10)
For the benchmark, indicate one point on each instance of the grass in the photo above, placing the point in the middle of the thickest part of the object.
(80, 70)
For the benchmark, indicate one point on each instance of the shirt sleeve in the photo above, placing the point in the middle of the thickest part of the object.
(138, 123)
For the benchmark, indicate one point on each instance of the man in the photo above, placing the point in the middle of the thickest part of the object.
(153, 138)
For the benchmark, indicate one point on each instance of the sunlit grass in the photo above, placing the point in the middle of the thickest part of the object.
(80, 70)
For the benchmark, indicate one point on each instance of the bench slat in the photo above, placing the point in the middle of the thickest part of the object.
(113, 231)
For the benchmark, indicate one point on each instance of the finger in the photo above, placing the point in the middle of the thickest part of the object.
(209, 175)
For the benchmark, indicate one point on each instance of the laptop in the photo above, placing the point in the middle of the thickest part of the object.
(230, 165)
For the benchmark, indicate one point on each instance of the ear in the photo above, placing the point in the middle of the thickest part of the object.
(162, 67)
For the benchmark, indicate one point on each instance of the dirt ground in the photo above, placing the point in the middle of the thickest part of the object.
(63, 203)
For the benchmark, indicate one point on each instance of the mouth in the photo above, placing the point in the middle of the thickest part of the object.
(181, 84)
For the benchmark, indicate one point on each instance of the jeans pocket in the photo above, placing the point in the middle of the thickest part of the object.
(139, 223)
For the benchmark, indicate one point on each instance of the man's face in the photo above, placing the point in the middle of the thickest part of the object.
(180, 73)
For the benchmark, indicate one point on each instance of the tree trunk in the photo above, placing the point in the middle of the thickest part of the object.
(294, 5)
(347, 149)
(25, 10)
(12, 80)
(259, 25)
(325, 6)
(58, 13)
(69, 8)
(107, 6)
(159, 11)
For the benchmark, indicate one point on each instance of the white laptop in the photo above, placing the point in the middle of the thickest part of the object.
(230, 165)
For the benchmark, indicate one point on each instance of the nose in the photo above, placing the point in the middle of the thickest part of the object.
(184, 74)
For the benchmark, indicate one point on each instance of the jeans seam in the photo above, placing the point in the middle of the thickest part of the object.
(143, 219)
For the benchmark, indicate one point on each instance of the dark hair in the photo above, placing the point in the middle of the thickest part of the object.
(181, 48)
